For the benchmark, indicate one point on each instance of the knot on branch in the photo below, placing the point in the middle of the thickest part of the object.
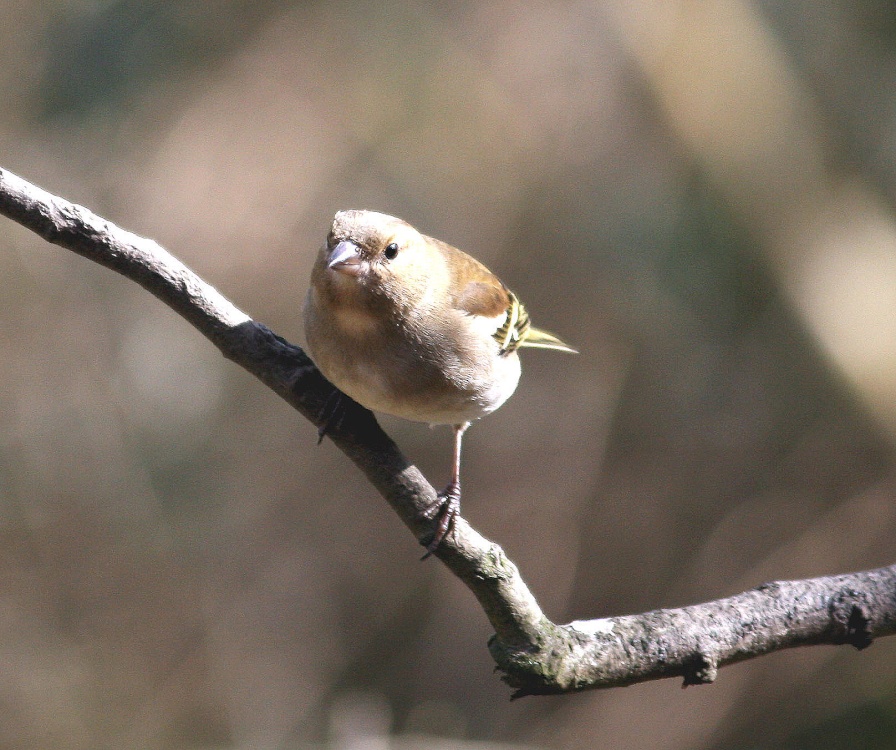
(851, 619)
(701, 668)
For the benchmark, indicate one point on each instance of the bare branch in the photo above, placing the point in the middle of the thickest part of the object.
(693, 642)
(536, 656)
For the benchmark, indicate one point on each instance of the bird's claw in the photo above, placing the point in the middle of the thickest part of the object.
(448, 511)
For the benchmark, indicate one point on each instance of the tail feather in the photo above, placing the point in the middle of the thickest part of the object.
(538, 339)
(516, 331)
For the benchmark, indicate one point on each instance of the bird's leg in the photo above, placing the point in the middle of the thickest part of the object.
(450, 496)
(332, 414)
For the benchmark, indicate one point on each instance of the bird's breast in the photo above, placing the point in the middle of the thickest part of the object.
(419, 368)
(355, 323)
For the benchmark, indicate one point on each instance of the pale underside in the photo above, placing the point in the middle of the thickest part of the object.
(433, 377)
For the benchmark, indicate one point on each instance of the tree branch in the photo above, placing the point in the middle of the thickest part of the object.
(536, 656)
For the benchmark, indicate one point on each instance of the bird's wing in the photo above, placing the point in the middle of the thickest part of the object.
(475, 289)
(481, 293)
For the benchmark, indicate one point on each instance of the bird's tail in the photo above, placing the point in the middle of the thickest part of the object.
(538, 339)
(516, 331)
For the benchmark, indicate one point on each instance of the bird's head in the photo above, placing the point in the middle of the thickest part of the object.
(370, 255)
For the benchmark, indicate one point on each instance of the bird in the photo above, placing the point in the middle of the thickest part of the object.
(410, 326)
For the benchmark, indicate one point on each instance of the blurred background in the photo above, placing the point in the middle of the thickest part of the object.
(701, 196)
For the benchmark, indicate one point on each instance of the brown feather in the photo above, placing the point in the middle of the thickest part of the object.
(476, 290)
(479, 298)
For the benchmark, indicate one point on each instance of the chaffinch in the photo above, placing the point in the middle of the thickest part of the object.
(408, 325)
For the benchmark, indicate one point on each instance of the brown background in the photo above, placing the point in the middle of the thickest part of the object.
(698, 195)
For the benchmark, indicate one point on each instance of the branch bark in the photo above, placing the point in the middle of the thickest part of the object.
(535, 655)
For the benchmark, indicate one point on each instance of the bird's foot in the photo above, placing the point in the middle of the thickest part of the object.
(448, 510)
(332, 414)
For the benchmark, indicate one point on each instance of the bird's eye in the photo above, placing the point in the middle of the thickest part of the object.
(391, 250)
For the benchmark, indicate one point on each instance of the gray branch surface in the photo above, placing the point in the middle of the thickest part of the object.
(535, 655)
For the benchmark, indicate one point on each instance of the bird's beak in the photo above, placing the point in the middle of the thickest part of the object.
(346, 258)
